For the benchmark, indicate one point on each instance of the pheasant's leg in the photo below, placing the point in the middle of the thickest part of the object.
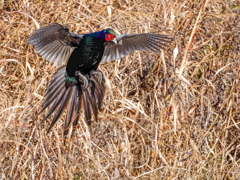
(82, 79)
(98, 74)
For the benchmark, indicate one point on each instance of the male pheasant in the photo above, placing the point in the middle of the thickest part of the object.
(80, 83)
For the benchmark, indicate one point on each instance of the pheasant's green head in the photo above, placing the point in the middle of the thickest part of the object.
(108, 35)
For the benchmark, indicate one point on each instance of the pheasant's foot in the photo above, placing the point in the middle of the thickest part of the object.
(82, 79)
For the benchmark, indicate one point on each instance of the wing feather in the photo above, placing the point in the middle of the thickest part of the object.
(54, 42)
(127, 43)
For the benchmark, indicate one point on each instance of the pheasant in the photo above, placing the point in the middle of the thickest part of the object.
(79, 82)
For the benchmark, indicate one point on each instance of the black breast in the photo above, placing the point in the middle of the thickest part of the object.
(86, 56)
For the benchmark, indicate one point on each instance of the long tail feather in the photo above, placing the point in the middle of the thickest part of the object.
(70, 111)
(76, 111)
(56, 103)
(60, 96)
(92, 103)
(61, 107)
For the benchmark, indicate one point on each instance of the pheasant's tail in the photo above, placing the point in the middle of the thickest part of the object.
(92, 97)
(71, 97)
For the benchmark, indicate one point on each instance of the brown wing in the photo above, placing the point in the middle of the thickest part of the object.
(127, 43)
(55, 43)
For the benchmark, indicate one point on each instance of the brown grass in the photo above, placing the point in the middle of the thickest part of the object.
(171, 115)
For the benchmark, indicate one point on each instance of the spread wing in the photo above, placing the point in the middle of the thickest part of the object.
(127, 43)
(55, 43)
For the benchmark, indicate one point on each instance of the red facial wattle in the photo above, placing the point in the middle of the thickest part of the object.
(109, 37)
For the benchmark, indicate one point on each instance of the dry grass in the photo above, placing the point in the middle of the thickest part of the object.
(171, 115)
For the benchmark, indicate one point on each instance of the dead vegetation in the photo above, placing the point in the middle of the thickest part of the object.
(171, 115)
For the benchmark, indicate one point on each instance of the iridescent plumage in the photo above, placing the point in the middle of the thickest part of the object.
(80, 83)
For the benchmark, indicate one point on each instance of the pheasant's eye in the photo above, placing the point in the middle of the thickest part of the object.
(109, 37)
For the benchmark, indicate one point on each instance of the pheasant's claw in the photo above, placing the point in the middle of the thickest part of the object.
(82, 79)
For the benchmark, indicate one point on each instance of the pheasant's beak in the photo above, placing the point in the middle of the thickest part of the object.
(114, 40)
